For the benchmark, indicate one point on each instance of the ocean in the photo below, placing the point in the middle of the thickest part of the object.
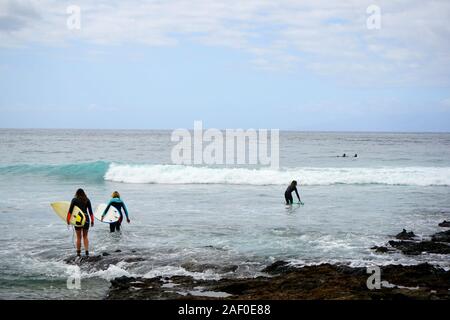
(212, 215)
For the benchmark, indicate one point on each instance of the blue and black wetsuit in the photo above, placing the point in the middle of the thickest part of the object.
(85, 207)
(288, 194)
(119, 205)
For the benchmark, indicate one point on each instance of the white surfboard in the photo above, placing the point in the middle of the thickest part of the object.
(61, 209)
(111, 216)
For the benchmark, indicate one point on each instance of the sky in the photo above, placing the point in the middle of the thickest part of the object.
(285, 64)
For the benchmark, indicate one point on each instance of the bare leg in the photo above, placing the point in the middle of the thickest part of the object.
(86, 240)
(78, 231)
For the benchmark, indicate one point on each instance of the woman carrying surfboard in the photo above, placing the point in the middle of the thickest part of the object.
(117, 203)
(82, 201)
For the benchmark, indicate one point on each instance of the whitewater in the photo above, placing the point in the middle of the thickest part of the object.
(213, 215)
(180, 174)
(177, 174)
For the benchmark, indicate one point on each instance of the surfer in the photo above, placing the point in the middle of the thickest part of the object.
(288, 193)
(82, 201)
(117, 203)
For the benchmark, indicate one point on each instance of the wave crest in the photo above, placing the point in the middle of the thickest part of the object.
(89, 170)
(178, 174)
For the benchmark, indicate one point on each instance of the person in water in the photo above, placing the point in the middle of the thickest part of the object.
(288, 193)
(82, 201)
(117, 203)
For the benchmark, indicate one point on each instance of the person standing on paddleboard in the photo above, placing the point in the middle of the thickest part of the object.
(288, 193)
(82, 202)
(117, 203)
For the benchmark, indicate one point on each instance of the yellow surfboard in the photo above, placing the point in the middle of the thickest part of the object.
(61, 209)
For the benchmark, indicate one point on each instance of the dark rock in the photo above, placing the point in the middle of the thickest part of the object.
(118, 250)
(228, 269)
(133, 259)
(83, 259)
(441, 236)
(416, 248)
(404, 235)
(279, 267)
(105, 254)
(323, 281)
(196, 267)
(347, 270)
(122, 281)
(380, 249)
(445, 224)
(421, 275)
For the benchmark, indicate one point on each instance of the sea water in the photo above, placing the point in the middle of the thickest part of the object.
(216, 215)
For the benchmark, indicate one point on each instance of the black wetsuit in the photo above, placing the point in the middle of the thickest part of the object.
(86, 208)
(119, 205)
(288, 194)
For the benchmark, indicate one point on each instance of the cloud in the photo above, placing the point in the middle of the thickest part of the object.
(16, 15)
(329, 38)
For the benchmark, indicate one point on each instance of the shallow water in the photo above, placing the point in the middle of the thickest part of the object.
(216, 215)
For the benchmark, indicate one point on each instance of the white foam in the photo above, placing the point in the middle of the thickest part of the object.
(109, 274)
(178, 174)
(168, 271)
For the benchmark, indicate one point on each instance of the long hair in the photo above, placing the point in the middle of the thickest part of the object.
(81, 195)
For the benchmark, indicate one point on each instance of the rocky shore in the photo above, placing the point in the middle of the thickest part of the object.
(282, 280)
(408, 244)
(285, 281)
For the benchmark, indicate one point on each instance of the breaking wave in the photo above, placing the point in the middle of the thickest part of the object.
(178, 174)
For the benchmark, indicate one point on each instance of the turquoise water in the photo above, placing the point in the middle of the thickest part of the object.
(215, 215)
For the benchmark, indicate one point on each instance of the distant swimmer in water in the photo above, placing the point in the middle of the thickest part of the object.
(344, 155)
(288, 193)
(117, 203)
(356, 156)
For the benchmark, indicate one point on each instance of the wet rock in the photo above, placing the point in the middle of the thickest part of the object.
(438, 244)
(445, 224)
(279, 267)
(404, 235)
(441, 236)
(227, 269)
(196, 267)
(421, 275)
(323, 281)
(82, 259)
(416, 248)
(105, 254)
(380, 249)
(118, 250)
(133, 259)
(125, 288)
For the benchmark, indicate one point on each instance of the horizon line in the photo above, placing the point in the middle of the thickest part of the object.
(221, 129)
